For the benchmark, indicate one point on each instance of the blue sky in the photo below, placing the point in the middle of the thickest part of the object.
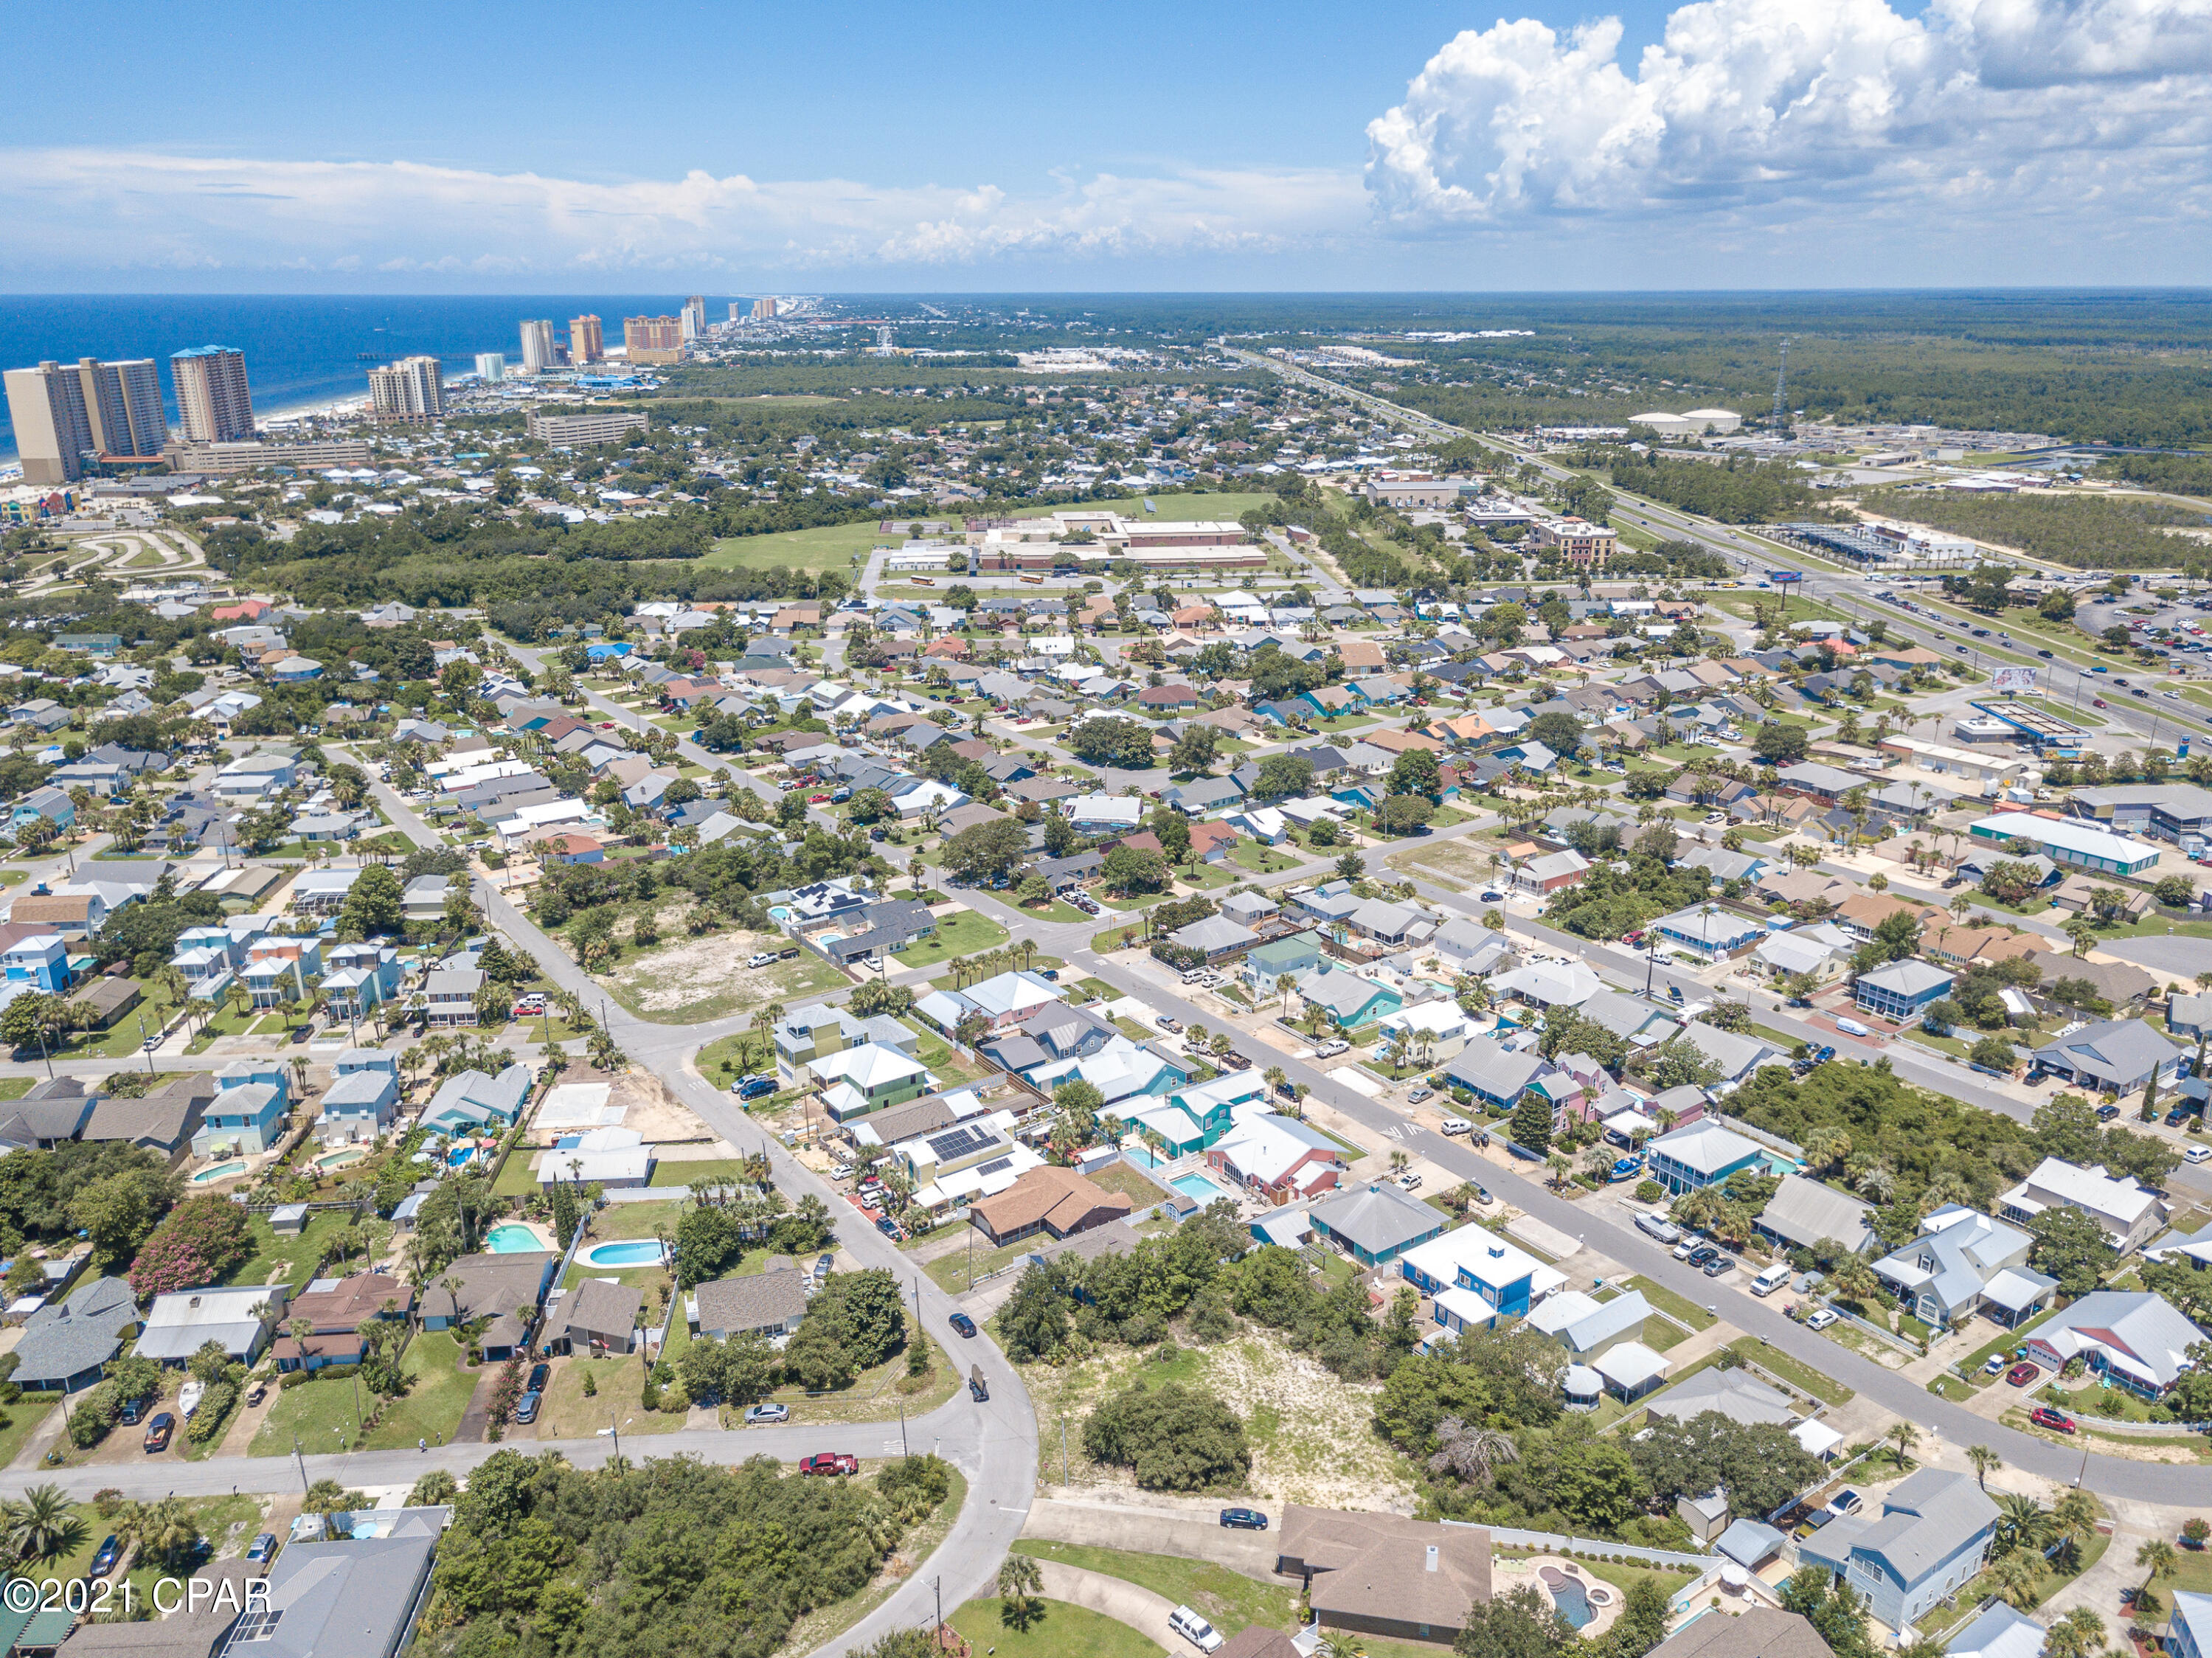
(551, 147)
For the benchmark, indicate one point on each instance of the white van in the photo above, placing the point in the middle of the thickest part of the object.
(1194, 1628)
(1771, 1279)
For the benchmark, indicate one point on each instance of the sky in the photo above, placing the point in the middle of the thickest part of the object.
(553, 148)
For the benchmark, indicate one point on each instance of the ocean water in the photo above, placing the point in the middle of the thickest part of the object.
(301, 350)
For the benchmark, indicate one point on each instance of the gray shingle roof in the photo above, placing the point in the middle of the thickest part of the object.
(753, 1302)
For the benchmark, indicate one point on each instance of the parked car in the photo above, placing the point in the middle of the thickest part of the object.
(1822, 1319)
(2058, 1421)
(1720, 1267)
(158, 1432)
(264, 1549)
(823, 1263)
(1703, 1255)
(2022, 1374)
(1329, 1050)
(134, 1412)
(1846, 1502)
(757, 1414)
(830, 1462)
(1194, 1628)
(2196, 1153)
(1244, 1519)
(1686, 1248)
(1853, 1028)
(1419, 1095)
(753, 1088)
(1410, 1180)
(963, 1324)
(760, 958)
(1994, 1363)
(2106, 1113)
(1481, 1191)
(110, 1551)
(525, 1408)
(889, 1229)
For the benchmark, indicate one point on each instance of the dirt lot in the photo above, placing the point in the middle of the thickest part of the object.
(707, 978)
(1464, 862)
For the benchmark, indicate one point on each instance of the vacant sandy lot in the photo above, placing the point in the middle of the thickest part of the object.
(707, 978)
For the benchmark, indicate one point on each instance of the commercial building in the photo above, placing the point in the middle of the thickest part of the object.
(653, 339)
(491, 366)
(1586, 545)
(538, 354)
(595, 426)
(693, 318)
(2068, 841)
(214, 403)
(221, 459)
(412, 389)
(586, 341)
(2180, 812)
(53, 435)
(763, 310)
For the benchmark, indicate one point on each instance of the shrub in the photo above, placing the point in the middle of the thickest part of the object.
(203, 1239)
(914, 1485)
(1176, 1439)
(214, 1413)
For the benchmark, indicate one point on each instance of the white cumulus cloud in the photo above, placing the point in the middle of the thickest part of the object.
(1752, 113)
(89, 209)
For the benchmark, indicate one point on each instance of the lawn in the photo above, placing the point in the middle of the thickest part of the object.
(1228, 1599)
(298, 1256)
(1260, 860)
(219, 1518)
(1667, 1301)
(706, 1171)
(966, 933)
(1063, 1632)
(954, 1272)
(430, 1410)
(1801, 1377)
(567, 1414)
(516, 1177)
(23, 1418)
(1131, 1182)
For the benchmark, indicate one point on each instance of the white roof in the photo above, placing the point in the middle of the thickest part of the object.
(1704, 1146)
(869, 1065)
(1817, 1437)
(2120, 1202)
(1630, 1364)
(2068, 834)
(1488, 1257)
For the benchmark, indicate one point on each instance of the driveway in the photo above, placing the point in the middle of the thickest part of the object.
(1147, 1525)
(1115, 1597)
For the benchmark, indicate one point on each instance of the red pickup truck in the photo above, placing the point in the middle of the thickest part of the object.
(831, 1462)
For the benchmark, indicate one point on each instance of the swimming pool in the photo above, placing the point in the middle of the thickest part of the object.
(1141, 1156)
(459, 1156)
(1197, 1186)
(1573, 1601)
(220, 1171)
(343, 1155)
(629, 1252)
(513, 1239)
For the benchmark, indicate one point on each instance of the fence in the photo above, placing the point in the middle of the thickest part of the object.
(1673, 1559)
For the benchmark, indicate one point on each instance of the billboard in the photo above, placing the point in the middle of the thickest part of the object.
(2009, 678)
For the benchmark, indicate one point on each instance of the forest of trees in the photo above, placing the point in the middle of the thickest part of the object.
(1737, 491)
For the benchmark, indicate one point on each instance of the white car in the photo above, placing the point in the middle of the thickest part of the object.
(1821, 1320)
(2196, 1154)
(1852, 1027)
(1194, 1628)
(1686, 1248)
(1330, 1050)
(1410, 1180)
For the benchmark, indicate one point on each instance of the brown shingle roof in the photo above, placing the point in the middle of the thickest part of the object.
(1376, 1566)
(1060, 1199)
(1761, 1632)
(753, 1302)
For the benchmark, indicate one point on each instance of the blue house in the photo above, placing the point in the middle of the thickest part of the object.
(2183, 1638)
(244, 1116)
(48, 803)
(1474, 1276)
(40, 962)
(1703, 1154)
(1930, 1539)
(1901, 990)
(1375, 1223)
(360, 976)
(358, 1108)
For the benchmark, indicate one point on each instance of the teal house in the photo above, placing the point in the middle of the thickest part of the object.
(1350, 1001)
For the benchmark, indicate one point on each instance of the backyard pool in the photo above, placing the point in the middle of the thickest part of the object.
(219, 1171)
(1197, 1187)
(459, 1156)
(630, 1252)
(342, 1156)
(1141, 1156)
(513, 1239)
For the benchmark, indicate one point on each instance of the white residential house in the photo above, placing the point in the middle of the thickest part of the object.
(2129, 1214)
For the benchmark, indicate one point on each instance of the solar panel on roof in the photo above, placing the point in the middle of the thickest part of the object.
(960, 1141)
(996, 1165)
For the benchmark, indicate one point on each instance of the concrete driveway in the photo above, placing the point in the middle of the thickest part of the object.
(1186, 1532)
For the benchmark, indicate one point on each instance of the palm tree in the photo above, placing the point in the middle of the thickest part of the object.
(2074, 1519)
(1904, 1435)
(2016, 1579)
(1471, 1451)
(1340, 1643)
(2079, 1634)
(2023, 1523)
(1019, 1579)
(1984, 1461)
(42, 1526)
(2158, 1558)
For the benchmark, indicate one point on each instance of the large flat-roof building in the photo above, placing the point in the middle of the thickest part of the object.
(591, 427)
(2068, 841)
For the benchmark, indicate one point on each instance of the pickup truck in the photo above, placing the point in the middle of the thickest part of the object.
(763, 958)
(830, 1462)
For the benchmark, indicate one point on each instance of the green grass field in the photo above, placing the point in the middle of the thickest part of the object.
(437, 1395)
(1228, 1599)
(1063, 1632)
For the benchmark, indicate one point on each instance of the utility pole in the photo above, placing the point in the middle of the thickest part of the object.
(302, 1461)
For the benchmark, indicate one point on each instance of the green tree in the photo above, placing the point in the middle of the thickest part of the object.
(1034, 1323)
(1531, 1122)
(1521, 1622)
(1173, 1437)
(374, 901)
(986, 852)
(1416, 773)
(2071, 1247)
(1196, 749)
